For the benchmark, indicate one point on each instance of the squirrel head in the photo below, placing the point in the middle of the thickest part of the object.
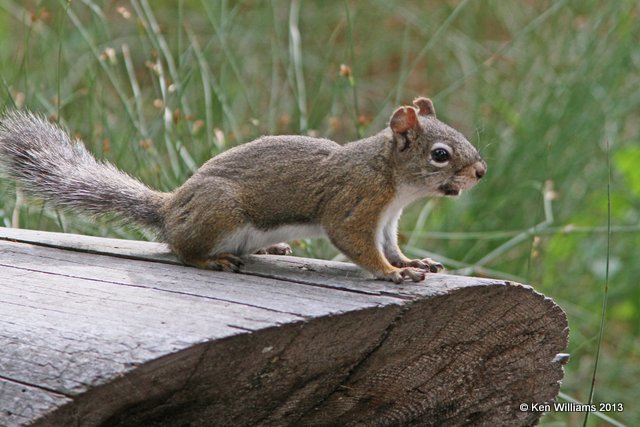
(432, 157)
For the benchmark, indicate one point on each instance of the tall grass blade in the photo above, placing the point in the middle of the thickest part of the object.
(295, 51)
(605, 295)
(352, 80)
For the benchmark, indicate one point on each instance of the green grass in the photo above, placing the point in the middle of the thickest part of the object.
(540, 87)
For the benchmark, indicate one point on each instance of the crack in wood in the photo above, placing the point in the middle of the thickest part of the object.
(36, 386)
(354, 370)
(170, 291)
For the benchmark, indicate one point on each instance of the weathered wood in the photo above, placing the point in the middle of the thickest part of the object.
(110, 332)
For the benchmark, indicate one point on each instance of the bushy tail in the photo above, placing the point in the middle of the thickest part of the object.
(44, 160)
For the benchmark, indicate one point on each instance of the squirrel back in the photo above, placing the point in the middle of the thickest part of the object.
(48, 164)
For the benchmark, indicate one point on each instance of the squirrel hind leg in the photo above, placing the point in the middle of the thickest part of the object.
(203, 253)
(202, 250)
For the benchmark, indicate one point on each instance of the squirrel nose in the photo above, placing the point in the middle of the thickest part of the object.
(481, 168)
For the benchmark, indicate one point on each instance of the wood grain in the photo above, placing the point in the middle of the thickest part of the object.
(111, 332)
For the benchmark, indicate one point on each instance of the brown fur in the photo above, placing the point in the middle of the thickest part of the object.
(274, 187)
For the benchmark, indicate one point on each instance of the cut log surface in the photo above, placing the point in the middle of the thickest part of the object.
(113, 332)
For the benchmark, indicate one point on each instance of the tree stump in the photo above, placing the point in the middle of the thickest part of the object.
(106, 332)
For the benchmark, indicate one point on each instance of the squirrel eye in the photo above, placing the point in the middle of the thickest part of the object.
(440, 155)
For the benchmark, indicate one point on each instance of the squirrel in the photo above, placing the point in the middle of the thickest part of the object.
(273, 189)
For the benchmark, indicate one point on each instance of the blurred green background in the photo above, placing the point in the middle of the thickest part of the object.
(547, 90)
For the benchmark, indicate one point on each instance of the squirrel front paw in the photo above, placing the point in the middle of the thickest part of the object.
(426, 264)
(401, 274)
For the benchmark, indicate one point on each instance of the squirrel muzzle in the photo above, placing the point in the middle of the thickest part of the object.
(465, 178)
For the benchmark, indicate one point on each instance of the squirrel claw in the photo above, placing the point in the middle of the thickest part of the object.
(408, 273)
(426, 264)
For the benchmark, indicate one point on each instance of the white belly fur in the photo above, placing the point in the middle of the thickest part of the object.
(248, 239)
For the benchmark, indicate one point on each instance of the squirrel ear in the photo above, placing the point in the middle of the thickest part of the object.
(403, 119)
(425, 106)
